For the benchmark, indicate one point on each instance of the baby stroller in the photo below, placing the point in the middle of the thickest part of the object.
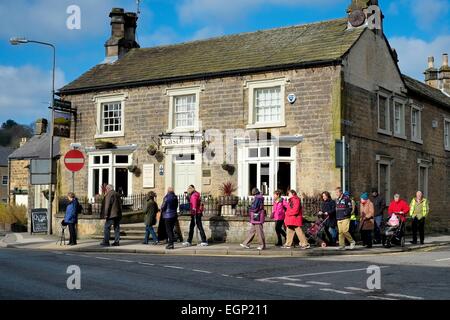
(394, 231)
(315, 232)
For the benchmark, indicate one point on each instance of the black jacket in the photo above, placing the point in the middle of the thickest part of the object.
(343, 208)
(330, 207)
(379, 204)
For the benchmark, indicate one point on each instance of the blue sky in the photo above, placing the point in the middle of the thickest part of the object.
(416, 28)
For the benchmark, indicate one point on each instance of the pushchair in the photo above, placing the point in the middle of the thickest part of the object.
(315, 231)
(394, 234)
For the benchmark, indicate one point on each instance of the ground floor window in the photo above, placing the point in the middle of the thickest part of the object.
(109, 168)
(424, 166)
(384, 179)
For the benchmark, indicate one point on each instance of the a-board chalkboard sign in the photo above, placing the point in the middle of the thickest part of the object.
(39, 221)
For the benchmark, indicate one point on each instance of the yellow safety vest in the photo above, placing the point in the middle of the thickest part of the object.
(425, 207)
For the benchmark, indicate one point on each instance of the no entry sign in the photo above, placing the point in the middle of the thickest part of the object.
(74, 160)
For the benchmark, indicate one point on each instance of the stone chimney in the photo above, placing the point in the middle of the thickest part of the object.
(123, 34)
(22, 142)
(41, 127)
(431, 74)
(444, 75)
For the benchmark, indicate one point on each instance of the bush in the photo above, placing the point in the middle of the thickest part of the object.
(10, 214)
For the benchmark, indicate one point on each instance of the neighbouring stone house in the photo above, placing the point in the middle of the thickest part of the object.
(271, 103)
(4, 173)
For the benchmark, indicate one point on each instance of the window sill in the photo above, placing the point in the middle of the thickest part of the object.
(183, 130)
(266, 125)
(385, 132)
(399, 136)
(419, 141)
(110, 135)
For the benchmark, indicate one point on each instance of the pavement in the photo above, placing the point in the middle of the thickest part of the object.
(44, 242)
(67, 275)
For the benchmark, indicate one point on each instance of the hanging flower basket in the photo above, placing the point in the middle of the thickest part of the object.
(133, 168)
(229, 168)
(159, 156)
(152, 150)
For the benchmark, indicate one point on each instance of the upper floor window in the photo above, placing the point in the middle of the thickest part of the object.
(266, 103)
(4, 180)
(447, 134)
(384, 117)
(110, 115)
(399, 118)
(184, 109)
(416, 124)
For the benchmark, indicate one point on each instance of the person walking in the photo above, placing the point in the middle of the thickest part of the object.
(379, 203)
(71, 217)
(294, 221)
(112, 211)
(343, 213)
(366, 222)
(169, 212)
(328, 209)
(150, 212)
(196, 210)
(418, 210)
(257, 218)
(278, 214)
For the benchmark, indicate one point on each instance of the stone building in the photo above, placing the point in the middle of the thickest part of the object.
(267, 106)
(4, 174)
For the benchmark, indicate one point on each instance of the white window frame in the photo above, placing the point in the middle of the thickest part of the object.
(419, 125)
(3, 180)
(383, 160)
(447, 139)
(262, 84)
(402, 133)
(426, 164)
(109, 98)
(110, 166)
(177, 92)
(388, 130)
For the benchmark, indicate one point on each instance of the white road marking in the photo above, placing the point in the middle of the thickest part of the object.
(240, 277)
(102, 258)
(336, 291)
(146, 264)
(297, 285)
(439, 260)
(319, 283)
(359, 289)
(202, 271)
(70, 254)
(397, 295)
(225, 275)
(57, 252)
(173, 267)
(381, 298)
(128, 261)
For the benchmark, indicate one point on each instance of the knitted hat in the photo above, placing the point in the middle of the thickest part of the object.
(364, 196)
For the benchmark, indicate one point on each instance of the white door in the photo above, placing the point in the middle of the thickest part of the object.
(184, 175)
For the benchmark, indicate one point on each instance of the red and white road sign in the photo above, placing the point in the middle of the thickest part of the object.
(74, 160)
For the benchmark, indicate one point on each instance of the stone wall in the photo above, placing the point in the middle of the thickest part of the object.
(3, 189)
(19, 176)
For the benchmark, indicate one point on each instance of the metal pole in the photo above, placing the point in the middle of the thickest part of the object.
(49, 210)
(344, 165)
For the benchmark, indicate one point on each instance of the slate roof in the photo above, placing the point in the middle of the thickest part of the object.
(296, 46)
(426, 91)
(4, 153)
(37, 147)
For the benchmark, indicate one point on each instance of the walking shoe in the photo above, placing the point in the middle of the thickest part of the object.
(187, 244)
(352, 245)
(342, 248)
(170, 247)
(260, 248)
(413, 242)
(285, 247)
(203, 244)
(155, 243)
(115, 244)
(244, 246)
(305, 247)
(104, 244)
(144, 242)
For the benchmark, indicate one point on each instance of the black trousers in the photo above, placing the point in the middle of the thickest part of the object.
(280, 232)
(418, 225)
(170, 224)
(366, 237)
(72, 233)
(196, 220)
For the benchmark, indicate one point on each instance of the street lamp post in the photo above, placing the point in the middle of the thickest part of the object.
(18, 41)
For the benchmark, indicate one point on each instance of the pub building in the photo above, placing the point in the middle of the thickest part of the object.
(266, 109)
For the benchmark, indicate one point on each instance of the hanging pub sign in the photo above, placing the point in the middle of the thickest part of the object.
(61, 127)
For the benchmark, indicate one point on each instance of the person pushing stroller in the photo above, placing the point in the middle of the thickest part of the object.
(395, 225)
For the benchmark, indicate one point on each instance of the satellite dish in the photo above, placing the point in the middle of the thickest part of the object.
(357, 18)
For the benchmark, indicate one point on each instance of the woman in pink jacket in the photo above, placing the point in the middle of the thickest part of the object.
(278, 214)
(294, 221)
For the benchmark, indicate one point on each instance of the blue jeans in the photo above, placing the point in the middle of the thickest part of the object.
(150, 231)
(378, 221)
(107, 230)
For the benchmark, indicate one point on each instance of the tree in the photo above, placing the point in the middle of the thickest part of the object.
(11, 133)
(9, 124)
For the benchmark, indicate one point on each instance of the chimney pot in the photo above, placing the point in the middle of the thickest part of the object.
(41, 126)
(430, 62)
(445, 60)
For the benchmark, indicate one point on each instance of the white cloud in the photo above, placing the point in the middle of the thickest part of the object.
(161, 36)
(413, 53)
(207, 32)
(26, 92)
(230, 11)
(47, 18)
(427, 13)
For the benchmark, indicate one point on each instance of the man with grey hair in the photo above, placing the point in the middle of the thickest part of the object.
(112, 212)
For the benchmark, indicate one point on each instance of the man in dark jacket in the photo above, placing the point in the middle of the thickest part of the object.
(112, 211)
(71, 217)
(379, 204)
(169, 211)
(343, 214)
(150, 211)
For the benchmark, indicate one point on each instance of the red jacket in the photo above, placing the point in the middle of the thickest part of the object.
(400, 206)
(195, 202)
(294, 214)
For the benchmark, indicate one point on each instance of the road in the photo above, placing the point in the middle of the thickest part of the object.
(26, 274)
